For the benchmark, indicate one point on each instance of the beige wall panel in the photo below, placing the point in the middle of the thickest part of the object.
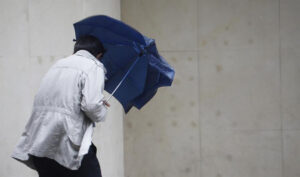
(51, 26)
(289, 24)
(290, 69)
(162, 139)
(34, 35)
(238, 24)
(290, 63)
(291, 153)
(14, 111)
(290, 80)
(173, 23)
(96, 7)
(239, 89)
(14, 28)
(237, 153)
(108, 137)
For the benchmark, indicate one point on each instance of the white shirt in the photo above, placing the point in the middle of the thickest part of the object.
(66, 106)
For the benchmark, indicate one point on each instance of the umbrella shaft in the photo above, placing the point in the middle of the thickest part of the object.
(124, 77)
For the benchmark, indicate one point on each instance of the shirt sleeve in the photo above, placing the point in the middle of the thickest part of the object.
(92, 95)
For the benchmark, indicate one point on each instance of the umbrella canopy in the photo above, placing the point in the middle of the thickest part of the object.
(133, 63)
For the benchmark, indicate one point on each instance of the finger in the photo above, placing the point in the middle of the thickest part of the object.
(107, 104)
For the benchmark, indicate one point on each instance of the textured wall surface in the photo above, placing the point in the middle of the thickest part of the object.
(34, 34)
(233, 110)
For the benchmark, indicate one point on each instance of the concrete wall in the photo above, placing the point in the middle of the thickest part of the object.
(34, 34)
(233, 110)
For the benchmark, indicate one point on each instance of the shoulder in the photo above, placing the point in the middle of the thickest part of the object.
(74, 62)
(81, 63)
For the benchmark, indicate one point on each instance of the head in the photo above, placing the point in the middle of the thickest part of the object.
(91, 44)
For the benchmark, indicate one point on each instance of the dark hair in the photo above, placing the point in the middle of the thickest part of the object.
(89, 43)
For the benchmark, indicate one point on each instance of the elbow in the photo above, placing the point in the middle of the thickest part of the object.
(101, 115)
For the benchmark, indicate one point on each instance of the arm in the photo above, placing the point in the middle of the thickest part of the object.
(92, 95)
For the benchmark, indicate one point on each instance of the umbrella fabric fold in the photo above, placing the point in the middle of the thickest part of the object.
(131, 58)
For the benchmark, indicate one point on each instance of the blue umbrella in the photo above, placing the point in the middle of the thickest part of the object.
(135, 70)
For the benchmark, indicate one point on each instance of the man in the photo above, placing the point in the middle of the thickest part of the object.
(57, 138)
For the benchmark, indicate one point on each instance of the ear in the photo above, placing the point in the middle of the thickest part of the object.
(99, 55)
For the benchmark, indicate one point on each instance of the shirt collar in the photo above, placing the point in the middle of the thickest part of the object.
(87, 54)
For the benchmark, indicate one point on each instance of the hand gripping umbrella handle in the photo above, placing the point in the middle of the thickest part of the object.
(124, 77)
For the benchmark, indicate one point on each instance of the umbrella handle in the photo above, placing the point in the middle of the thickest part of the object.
(131, 67)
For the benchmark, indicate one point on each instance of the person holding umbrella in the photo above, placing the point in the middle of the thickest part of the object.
(57, 141)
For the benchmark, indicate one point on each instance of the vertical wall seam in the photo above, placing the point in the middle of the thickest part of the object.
(198, 90)
(280, 90)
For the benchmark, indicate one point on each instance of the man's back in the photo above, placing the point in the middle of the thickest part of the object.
(66, 104)
(61, 86)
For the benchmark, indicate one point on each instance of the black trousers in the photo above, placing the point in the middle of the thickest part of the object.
(50, 168)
